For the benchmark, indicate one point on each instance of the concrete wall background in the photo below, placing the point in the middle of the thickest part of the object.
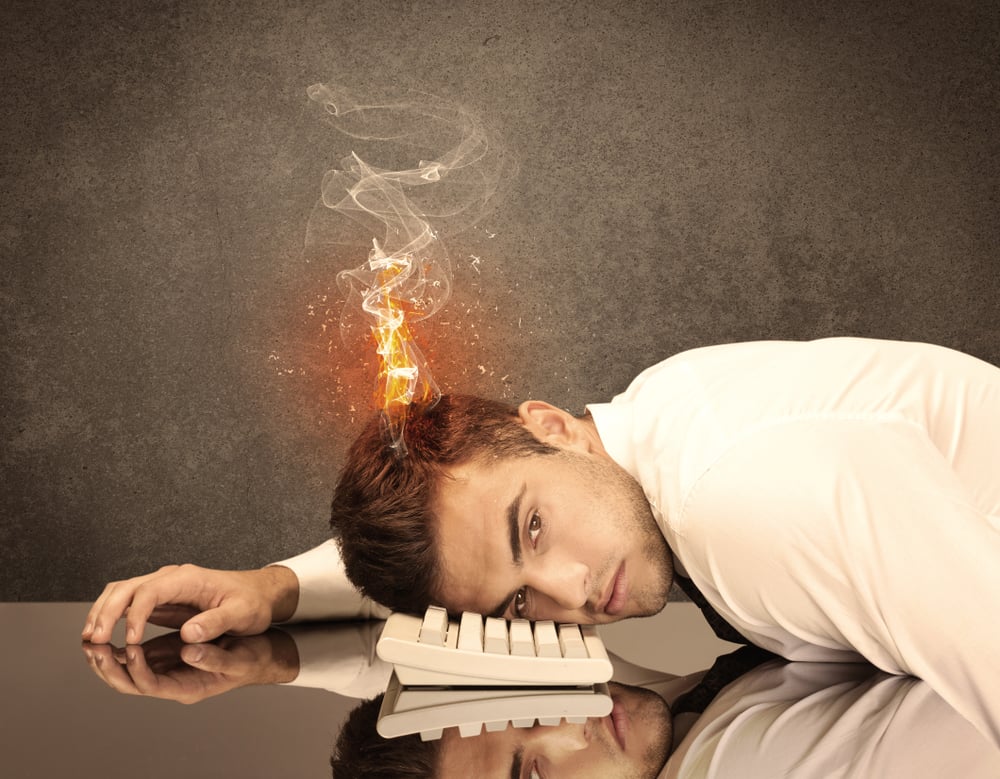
(689, 173)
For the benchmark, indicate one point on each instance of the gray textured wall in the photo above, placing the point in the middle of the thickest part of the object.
(689, 173)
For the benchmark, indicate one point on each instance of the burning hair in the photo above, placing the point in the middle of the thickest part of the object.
(381, 511)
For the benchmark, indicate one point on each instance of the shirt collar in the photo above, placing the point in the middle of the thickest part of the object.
(614, 426)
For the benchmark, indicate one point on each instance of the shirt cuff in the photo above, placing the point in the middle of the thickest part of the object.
(325, 592)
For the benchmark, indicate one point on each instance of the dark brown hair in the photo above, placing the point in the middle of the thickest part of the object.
(381, 507)
(361, 753)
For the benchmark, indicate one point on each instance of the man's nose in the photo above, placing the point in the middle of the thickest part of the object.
(564, 581)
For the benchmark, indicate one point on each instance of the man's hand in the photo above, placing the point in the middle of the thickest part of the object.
(166, 667)
(203, 602)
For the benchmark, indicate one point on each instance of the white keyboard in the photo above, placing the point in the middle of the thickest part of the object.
(428, 711)
(491, 652)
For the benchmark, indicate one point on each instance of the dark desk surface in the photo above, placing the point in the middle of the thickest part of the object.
(60, 720)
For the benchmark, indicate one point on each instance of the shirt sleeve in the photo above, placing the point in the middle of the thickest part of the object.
(340, 658)
(325, 592)
(854, 534)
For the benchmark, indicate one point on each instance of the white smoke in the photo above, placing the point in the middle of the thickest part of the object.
(431, 171)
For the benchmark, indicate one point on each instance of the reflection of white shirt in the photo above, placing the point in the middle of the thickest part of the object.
(340, 658)
(832, 497)
(830, 720)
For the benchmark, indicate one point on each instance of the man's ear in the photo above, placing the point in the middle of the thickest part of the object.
(554, 426)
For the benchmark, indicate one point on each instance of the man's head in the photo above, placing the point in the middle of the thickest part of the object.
(499, 510)
(632, 742)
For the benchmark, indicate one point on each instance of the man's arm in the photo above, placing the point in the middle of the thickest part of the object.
(325, 592)
(205, 603)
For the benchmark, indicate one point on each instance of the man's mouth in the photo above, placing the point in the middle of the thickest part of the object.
(619, 593)
(618, 724)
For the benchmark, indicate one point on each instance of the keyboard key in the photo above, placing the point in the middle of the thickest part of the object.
(546, 641)
(470, 632)
(571, 642)
(592, 641)
(434, 630)
(521, 641)
(495, 640)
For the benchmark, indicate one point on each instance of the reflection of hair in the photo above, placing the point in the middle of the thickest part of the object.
(361, 753)
(381, 506)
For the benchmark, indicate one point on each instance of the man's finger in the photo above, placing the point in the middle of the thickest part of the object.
(95, 611)
(112, 604)
(171, 585)
(206, 626)
(233, 615)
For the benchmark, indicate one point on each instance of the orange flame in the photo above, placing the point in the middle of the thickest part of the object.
(403, 378)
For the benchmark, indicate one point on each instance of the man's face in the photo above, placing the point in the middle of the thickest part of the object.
(568, 537)
(633, 741)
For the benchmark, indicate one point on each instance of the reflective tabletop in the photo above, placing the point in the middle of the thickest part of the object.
(60, 719)
(276, 705)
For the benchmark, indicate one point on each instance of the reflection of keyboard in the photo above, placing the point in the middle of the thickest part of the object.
(428, 711)
(491, 652)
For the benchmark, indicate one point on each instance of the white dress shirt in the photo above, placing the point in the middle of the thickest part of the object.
(831, 499)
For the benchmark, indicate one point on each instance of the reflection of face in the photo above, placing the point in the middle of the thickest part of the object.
(587, 547)
(633, 741)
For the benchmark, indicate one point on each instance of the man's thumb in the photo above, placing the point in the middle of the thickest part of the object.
(204, 627)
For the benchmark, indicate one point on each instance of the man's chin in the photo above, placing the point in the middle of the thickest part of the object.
(652, 602)
(650, 726)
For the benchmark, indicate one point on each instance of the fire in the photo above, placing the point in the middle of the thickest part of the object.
(403, 378)
(407, 277)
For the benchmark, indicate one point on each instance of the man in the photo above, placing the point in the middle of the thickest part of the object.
(829, 499)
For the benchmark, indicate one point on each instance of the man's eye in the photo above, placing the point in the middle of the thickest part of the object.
(520, 601)
(534, 528)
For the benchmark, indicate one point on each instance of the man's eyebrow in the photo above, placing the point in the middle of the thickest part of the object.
(514, 525)
(515, 764)
(514, 535)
